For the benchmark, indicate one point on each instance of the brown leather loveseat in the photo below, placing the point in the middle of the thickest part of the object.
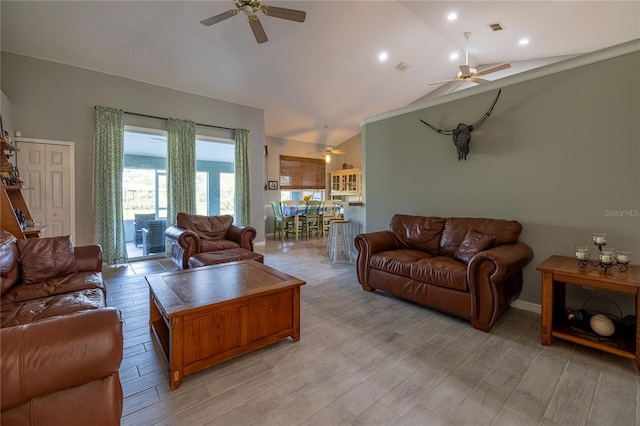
(195, 234)
(61, 347)
(467, 267)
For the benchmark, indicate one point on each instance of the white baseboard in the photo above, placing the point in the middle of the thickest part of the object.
(526, 306)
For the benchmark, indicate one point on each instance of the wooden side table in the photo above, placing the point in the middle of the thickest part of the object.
(557, 271)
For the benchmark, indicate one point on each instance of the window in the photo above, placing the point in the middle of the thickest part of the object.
(227, 193)
(145, 179)
(215, 177)
(300, 176)
(202, 193)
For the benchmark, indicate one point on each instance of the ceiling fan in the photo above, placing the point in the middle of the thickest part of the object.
(471, 74)
(251, 8)
(327, 150)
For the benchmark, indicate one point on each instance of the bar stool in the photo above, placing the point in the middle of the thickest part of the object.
(339, 242)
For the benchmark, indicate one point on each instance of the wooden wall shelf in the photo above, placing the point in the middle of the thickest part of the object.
(11, 198)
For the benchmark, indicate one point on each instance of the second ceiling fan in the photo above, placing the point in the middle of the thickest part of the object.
(467, 73)
(251, 8)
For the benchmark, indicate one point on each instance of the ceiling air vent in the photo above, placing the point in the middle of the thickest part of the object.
(496, 27)
(402, 66)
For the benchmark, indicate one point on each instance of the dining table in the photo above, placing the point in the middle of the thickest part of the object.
(299, 210)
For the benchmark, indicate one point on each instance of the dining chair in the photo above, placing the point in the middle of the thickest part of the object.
(312, 219)
(281, 223)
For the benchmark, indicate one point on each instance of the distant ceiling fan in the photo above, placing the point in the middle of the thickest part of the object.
(471, 74)
(327, 150)
(251, 8)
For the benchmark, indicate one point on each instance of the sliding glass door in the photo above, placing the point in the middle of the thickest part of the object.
(145, 186)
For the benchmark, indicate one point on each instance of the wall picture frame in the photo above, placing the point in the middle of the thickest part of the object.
(273, 185)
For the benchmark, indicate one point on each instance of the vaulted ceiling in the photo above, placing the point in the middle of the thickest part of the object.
(323, 71)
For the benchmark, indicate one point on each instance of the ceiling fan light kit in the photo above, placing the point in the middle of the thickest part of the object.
(251, 8)
(469, 74)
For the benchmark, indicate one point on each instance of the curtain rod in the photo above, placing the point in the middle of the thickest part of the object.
(163, 118)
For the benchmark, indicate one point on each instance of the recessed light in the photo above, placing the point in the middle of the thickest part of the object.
(523, 41)
(383, 56)
(454, 56)
(452, 16)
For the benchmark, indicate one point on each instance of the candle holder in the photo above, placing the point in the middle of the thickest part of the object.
(607, 257)
(582, 256)
(599, 239)
(623, 258)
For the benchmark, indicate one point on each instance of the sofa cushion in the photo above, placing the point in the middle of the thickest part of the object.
(417, 232)
(473, 242)
(455, 229)
(398, 262)
(9, 270)
(45, 258)
(59, 285)
(215, 245)
(207, 227)
(441, 271)
(29, 311)
(223, 256)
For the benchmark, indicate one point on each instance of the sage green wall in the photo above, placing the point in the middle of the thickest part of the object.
(56, 101)
(352, 148)
(560, 154)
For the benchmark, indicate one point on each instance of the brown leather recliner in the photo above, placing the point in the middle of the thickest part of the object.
(61, 346)
(193, 234)
(468, 267)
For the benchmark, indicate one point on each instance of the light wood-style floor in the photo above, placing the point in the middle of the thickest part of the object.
(369, 358)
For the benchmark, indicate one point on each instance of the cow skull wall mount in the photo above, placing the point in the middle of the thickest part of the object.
(462, 132)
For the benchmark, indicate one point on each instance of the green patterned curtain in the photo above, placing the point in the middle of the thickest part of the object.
(181, 168)
(242, 207)
(108, 163)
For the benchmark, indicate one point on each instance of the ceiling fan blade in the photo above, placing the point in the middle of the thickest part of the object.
(258, 30)
(218, 18)
(442, 81)
(494, 69)
(338, 151)
(465, 70)
(479, 80)
(283, 13)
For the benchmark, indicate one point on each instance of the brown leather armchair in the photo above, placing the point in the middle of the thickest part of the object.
(193, 234)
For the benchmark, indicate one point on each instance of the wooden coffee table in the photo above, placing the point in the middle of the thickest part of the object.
(207, 315)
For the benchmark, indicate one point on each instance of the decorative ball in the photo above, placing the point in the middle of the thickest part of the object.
(602, 325)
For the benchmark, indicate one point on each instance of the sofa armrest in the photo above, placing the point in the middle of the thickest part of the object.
(88, 258)
(495, 280)
(183, 237)
(367, 245)
(243, 235)
(507, 259)
(184, 243)
(59, 353)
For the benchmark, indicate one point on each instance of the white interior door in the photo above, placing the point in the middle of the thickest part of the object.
(47, 168)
